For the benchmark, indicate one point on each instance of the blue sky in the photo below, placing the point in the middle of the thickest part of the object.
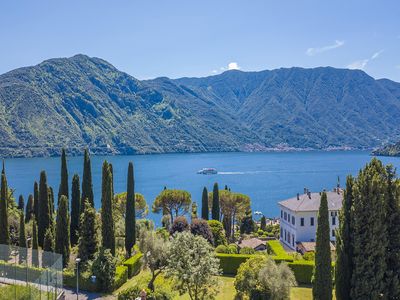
(174, 38)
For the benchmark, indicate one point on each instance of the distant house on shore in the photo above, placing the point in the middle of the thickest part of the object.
(256, 244)
(298, 217)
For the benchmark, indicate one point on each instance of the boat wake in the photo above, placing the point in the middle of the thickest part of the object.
(242, 172)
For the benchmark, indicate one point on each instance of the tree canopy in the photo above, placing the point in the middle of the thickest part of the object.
(173, 202)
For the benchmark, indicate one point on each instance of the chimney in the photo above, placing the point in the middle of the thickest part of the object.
(298, 196)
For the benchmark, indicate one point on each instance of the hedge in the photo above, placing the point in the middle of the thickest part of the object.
(230, 263)
(303, 270)
(276, 247)
(134, 264)
(121, 276)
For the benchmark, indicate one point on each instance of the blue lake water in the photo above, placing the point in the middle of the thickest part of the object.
(266, 177)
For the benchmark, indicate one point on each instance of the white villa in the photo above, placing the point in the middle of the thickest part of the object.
(298, 220)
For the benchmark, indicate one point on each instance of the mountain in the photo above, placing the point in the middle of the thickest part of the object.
(388, 150)
(82, 102)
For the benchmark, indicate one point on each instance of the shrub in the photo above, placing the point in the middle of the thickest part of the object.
(309, 256)
(201, 227)
(121, 276)
(229, 263)
(247, 250)
(218, 232)
(221, 249)
(161, 293)
(180, 224)
(303, 271)
(85, 283)
(232, 249)
(134, 264)
(163, 232)
(104, 269)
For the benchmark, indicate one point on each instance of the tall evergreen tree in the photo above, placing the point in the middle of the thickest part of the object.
(29, 209)
(4, 229)
(263, 223)
(44, 219)
(62, 230)
(35, 244)
(88, 243)
(36, 200)
(393, 227)
(51, 201)
(22, 239)
(322, 285)
(48, 248)
(130, 216)
(63, 189)
(370, 233)
(107, 222)
(76, 209)
(204, 205)
(87, 185)
(21, 203)
(344, 245)
(215, 212)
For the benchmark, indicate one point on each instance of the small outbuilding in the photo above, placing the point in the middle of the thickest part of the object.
(256, 244)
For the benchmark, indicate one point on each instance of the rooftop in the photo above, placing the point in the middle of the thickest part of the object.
(252, 243)
(311, 201)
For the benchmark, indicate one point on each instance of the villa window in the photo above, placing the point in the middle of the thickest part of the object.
(293, 220)
(288, 217)
(301, 221)
(333, 232)
(333, 220)
(281, 214)
(285, 216)
(312, 221)
(293, 240)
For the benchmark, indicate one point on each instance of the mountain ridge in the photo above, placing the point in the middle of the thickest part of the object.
(82, 102)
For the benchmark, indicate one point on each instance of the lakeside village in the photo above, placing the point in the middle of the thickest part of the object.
(58, 244)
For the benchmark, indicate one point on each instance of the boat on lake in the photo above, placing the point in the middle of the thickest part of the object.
(207, 171)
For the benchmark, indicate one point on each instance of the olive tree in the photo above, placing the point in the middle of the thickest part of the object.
(192, 263)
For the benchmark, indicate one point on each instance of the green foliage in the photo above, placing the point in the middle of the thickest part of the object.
(247, 250)
(121, 276)
(204, 205)
(263, 223)
(36, 200)
(48, 246)
(247, 225)
(29, 210)
(173, 202)
(218, 232)
(180, 224)
(62, 245)
(163, 292)
(107, 221)
(22, 292)
(21, 203)
(221, 249)
(35, 245)
(88, 242)
(75, 209)
(230, 263)
(4, 229)
(134, 264)
(104, 269)
(193, 265)
(276, 249)
(201, 227)
(85, 282)
(44, 218)
(63, 189)
(215, 209)
(310, 256)
(87, 185)
(22, 239)
(303, 271)
(233, 249)
(130, 218)
(322, 285)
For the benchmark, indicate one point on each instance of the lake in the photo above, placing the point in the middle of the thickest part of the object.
(266, 177)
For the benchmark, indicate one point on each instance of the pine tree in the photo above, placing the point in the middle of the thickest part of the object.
(4, 229)
(344, 245)
(29, 209)
(393, 226)
(63, 189)
(215, 212)
(35, 245)
(88, 242)
(204, 204)
(107, 228)
(370, 233)
(48, 248)
(62, 230)
(22, 239)
(21, 203)
(87, 186)
(322, 285)
(44, 219)
(36, 200)
(130, 217)
(76, 210)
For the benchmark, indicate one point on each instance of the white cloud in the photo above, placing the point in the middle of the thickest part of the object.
(362, 64)
(318, 50)
(233, 66)
(214, 71)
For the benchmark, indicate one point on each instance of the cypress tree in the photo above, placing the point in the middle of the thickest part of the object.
(322, 285)
(204, 204)
(36, 200)
(4, 229)
(393, 225)
(215, 212)
(76, 209)
(130, 217)
(370, 233)
(87, 186)
(35, 245)
(51, 201)
(48, 248)
(107, 222)
(344, 245)
(21, 203)
(29, 209)
(87, 243)
(63, 189)
(44, 219)
(62, 230)
(22, 239)
(263, 223)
